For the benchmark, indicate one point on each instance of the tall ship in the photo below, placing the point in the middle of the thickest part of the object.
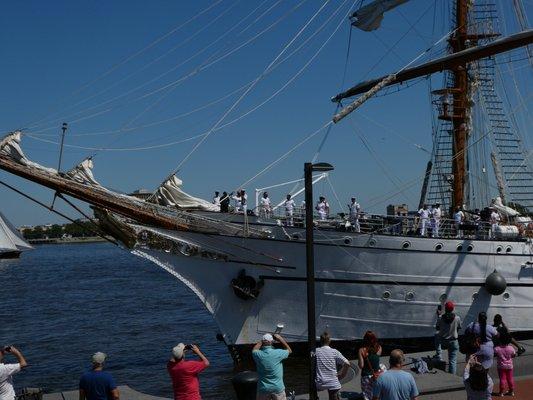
(385, 273)
(12, 244)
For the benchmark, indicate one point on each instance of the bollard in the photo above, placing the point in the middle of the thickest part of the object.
(245, 385)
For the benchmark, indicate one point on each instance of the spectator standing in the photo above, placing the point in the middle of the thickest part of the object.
(7, 391)
(98, 384)
(327, 361)
(184, 373)
(368, 361)
(448, 326)
(504, 353)
(268, 361)
(502, 330)
(478, 383)
(395, 384)
(485, 333)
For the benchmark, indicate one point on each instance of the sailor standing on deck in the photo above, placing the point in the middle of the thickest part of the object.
(323, 208)
(458, 217)
(355, 209)
(424, 214)
(289, 210)
(238, 202)
(436, 216)
(494, 222)
(216, 200)
(265, 206)
(244, 201)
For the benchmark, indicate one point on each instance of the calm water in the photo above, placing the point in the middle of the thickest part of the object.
(61, 303)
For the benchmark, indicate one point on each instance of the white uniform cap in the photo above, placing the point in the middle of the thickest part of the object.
(267, 337)
(98, 358)
(177, 351)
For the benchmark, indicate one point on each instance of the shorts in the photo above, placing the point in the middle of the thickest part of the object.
(271, 396)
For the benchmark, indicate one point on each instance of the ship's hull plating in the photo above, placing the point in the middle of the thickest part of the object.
(389, 284)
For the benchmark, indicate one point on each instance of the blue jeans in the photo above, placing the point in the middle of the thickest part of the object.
(453, 349)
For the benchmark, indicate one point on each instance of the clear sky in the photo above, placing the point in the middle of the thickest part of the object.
(128, 74)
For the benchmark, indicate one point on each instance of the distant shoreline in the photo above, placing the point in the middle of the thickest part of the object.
(77, 240)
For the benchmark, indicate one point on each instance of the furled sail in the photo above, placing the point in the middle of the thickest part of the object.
(83, 173)
(10, 147)
(369, 17)
(171, 194)
(503, 209)
(10, 238)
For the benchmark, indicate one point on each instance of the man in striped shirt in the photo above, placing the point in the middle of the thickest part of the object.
(327, 361)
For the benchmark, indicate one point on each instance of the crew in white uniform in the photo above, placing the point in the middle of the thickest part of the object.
(494, 222)
(436, 215)
(355, 209)
(323, 208)
(424, 214)
(244, 201)
(458, 218)
(289, 210)
(216, 200)
(265, 206)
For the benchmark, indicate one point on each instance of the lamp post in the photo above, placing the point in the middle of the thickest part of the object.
(310, 264)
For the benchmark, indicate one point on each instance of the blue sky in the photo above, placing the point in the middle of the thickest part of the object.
(81, 63)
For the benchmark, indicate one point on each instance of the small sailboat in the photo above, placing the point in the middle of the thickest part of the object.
(11, 241)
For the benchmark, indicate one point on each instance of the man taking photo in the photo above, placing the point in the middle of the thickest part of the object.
(184, 373)
(7, 392)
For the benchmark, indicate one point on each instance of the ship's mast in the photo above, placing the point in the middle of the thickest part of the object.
(460, 106)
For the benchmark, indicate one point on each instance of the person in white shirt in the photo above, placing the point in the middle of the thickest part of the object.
(323, 208)
(238, 203)
(327, 360)
(7, 392)
(265, 207)
(424, 214)
(244, 201)
(216, 200)
(436, 216)
(289, 210)
(458, 218)
(355, 209)
(494, 222)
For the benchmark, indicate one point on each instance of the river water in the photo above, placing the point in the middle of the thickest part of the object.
(62, 303)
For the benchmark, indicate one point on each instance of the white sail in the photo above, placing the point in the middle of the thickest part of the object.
(10, 238)
(369, 17)
(83, 173)
(171, 194)
(503, 209)
(10, 146)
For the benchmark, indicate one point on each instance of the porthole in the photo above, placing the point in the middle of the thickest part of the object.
(372, 242)
(443, 297)
(506, 296)
(406, 245)
(347, 240)
(470, 247)
(438, 246)
(459, 247)
(508, 249)
(386, 295)
(474, 296)
(410, 296)
(296, 236)
(499, 249)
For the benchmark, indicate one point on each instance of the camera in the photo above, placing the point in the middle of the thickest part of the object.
(188, 347)
(6, 349)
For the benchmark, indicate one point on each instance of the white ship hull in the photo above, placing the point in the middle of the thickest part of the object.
(389, 284)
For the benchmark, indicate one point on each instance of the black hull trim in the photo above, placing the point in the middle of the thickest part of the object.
(9, 254)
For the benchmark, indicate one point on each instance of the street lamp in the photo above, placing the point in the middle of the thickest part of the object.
(310, 263)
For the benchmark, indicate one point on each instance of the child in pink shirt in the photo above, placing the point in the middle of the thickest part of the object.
(504, 352)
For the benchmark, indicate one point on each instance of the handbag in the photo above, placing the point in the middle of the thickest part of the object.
(375, 374)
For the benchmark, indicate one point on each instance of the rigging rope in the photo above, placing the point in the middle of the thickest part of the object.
(259, 78)
(139, 52)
